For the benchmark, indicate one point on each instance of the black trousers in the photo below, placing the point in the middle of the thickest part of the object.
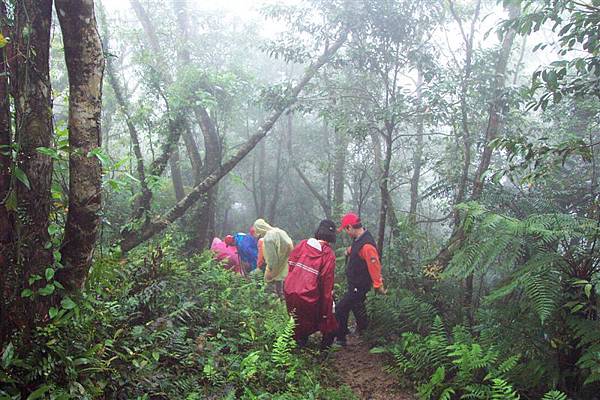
(353, 300)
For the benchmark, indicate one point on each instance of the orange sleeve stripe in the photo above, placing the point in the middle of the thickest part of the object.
(370, 255)
(261, 255)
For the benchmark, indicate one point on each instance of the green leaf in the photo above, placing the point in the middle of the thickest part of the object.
(7, 355)
(156, 355)
(38, 393)
(52, 312)
(21, 176)
(34, 278)
(50, 152)
(49, 274)
(47, 290)
(100, 155)
(378, 350)
(577, 308)
(68, 304)
(11, 201)
(588, 290)
(53, 229)
(26, 293)
(580, 282)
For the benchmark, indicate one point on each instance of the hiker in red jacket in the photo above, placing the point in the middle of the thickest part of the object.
(308, 287)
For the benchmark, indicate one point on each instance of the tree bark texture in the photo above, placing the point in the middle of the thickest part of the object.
(33, 112)
(6, 215)
(85, 67)
(134, 238)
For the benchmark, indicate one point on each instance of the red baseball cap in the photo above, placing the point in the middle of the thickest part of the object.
(349, 219)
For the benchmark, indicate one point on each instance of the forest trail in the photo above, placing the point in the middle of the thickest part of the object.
(364, 373)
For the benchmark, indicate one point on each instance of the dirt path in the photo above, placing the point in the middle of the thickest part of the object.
(364, 373)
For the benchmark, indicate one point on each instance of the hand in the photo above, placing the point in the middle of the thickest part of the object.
(348, 250)
(381, 290)
(268, 274)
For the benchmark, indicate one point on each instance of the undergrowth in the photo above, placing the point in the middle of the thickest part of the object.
(157, 327)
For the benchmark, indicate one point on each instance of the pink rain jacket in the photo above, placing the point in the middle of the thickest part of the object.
(227, 254)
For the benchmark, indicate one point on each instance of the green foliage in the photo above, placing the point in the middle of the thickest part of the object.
(502, 390)
(400, 311)
(283, 346)
(555, 395)
(456, 366)
(161, 328)
(575, 24)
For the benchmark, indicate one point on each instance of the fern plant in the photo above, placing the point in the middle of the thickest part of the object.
(555, 395)
(281, 354)
(502, 390)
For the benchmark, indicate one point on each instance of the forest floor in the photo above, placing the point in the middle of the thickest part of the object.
(365, 373)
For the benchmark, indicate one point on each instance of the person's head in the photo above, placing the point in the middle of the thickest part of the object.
(261, 227)
(326, 231)
(251, 231)
(229, 240)
(352, 225)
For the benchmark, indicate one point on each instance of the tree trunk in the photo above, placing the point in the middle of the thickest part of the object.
(141, 204)
(213, 151)
(193, 154)
(497, 103)
(176, 175)
(464, 87)
(262, 191)
(85, 67)
(323, 201)
(33, 108)
(8, 278)
(493, 127)
(175, 119)
(418, 153)
(134, 238)
(212, 160)
(445, 255)
(386, 208)
(339, 171)
(277, 179)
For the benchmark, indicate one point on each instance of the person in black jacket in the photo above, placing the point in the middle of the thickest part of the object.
(363, 271)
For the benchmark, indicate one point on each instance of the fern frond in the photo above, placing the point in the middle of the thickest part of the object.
(555, 395)
(543, 290)
(477, 391)
(284, 344)
(502, 390)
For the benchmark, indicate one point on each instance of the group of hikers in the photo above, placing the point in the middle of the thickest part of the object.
(304, 275)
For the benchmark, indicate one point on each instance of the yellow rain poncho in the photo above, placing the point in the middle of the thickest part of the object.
(277, 248)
